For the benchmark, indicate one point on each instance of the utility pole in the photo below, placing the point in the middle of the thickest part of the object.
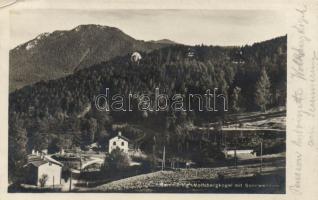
(261, 156)
(80, 160)
(163, 158)
(70, 189)
(235, 155)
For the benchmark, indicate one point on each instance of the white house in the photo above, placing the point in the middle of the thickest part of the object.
(38, 166)
(120, 142)
(135, 57)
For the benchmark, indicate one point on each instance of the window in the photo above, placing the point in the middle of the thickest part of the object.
(122, 143)
(114, 143)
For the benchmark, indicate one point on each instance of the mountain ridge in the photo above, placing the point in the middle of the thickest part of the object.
(53, 55)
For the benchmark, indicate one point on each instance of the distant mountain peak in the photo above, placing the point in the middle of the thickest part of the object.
(54, 55)
(164, 41)
(96, 27)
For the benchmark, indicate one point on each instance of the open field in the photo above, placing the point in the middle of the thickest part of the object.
(245, 178)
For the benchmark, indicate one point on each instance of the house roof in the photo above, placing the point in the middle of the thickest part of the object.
(122, 137)
(38, 160)
(37, 163)
(48, 158)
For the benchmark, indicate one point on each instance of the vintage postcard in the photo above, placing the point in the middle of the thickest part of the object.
(133, 98)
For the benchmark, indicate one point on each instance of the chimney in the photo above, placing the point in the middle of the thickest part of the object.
(44, 151)
(119, 133)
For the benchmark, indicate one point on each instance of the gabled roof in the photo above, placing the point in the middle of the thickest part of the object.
(122, 137)
(37, 161)
(48, 158)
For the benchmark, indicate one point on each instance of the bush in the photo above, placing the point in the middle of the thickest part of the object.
(149, 164)
(117, 160)
(221, 176)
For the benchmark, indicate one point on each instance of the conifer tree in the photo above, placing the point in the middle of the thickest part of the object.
(262, 92)
(17, 147)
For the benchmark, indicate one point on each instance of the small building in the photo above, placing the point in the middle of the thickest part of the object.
(135, 57)
(190, 53)
(40, 166)
(120, 142)
(244, 154)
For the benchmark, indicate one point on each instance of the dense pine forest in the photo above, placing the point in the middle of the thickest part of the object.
(61, 113)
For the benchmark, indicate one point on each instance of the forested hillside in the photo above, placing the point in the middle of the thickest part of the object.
(61, 113)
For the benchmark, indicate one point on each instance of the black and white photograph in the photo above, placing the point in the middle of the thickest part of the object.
(147, 101)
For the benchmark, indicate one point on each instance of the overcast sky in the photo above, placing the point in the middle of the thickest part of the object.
(211, 27)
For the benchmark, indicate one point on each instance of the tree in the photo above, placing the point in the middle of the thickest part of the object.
(103, 139)
(59, 142)
(39, 141)
(17, 147)
(92, 128)
(89, 128)
(235, 99)
(117, 160)
(43, 180)
(39, 135)
(262, 93)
